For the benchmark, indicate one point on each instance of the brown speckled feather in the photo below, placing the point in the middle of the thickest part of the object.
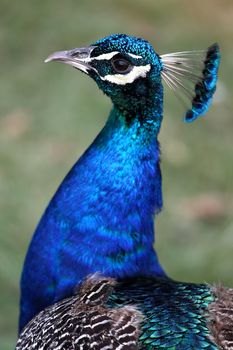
(83, 322)
(220, 313)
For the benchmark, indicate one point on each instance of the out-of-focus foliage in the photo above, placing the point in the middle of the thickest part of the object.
(50, 113)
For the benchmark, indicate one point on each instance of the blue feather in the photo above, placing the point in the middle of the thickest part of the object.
(205, 88)
(194, 76)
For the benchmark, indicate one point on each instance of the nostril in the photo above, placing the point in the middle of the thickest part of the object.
(81, 54)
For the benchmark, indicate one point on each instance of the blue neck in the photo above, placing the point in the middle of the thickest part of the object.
(108, 201)
(102, 216)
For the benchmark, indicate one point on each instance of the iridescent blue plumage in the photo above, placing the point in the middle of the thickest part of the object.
(102, 216)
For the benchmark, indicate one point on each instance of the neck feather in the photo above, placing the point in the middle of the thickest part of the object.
(118, 182)
(102, 216)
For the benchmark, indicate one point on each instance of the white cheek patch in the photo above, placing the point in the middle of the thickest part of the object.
(122, 79)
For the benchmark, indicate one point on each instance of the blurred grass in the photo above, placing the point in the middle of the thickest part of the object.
(49, 115)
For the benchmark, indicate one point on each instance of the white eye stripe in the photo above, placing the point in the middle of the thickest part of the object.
(108, 56)
(122, 79)
(134, 56)
(105, 56)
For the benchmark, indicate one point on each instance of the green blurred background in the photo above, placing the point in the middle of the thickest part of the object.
(50, 113)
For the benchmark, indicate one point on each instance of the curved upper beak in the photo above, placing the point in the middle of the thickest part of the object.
(79, 58)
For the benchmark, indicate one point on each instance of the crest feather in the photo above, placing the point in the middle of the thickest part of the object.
(195, 73)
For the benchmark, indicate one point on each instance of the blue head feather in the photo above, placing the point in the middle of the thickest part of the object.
(133, 96)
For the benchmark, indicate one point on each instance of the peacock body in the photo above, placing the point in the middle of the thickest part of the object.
(101, 219)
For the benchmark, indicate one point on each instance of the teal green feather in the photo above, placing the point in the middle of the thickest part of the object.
(174, 312)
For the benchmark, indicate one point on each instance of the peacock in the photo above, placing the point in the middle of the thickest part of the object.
(101, 219)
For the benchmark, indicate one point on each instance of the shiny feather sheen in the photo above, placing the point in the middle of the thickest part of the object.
(100, 219)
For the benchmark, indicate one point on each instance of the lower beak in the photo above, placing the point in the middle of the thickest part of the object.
(79, 58)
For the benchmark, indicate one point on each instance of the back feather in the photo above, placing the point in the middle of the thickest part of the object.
(220, 313)
(83, 322)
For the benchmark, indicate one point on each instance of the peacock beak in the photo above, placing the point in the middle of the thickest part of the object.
(79, 58)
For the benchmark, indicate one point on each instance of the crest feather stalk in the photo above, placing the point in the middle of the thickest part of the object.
(194, 73)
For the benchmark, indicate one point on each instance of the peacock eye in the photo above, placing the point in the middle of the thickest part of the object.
(121, 64)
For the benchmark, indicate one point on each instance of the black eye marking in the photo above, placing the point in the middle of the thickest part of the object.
(121, 65)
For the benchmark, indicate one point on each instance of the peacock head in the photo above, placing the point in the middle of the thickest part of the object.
(130, 72)
(126, 68)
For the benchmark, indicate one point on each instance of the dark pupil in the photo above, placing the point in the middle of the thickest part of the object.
(121, 65)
